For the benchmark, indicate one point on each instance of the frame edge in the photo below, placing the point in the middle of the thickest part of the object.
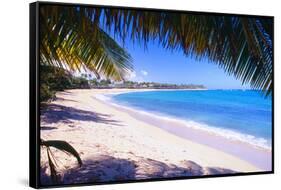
(33, 135)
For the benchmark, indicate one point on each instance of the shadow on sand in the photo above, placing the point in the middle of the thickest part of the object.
(105, 168)
(55, 113)
(47, 128)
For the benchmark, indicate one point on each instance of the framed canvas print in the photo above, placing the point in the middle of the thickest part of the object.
(121, 94)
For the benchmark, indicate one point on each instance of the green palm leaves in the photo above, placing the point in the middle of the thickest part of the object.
(76, 37)
(242, 46)
(70, 39)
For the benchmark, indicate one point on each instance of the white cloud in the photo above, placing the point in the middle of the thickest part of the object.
(137, 77)
(132, 75)
(144, 73)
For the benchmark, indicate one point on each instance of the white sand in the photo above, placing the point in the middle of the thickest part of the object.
(115, 146)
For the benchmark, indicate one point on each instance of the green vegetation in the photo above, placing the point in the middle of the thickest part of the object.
(141, 85)
(70, 39)
(77, 37)
(56, 79)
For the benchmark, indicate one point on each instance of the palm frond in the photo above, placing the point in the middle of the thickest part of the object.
(241, 46)
(72, 40)
(54, 174)
(63, 146)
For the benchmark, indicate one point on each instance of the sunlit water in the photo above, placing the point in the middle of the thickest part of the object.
(239, 114)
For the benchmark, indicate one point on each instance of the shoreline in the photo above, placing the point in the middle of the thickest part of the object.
(104, 134)
(256, 154)
(107, 98)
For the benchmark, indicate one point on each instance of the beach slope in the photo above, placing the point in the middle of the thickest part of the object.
(114, 146)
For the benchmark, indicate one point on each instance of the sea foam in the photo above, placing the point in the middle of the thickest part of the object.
(160, 118)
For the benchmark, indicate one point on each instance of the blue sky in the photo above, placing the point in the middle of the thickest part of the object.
(157, 64)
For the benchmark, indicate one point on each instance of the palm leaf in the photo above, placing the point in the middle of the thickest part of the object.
(73, 36)
(239, 45)
(63, 146)
(54, 175)
(72, 40)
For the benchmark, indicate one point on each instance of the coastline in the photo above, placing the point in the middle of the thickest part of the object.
(107, 136)
(257, 142)
(231, 142)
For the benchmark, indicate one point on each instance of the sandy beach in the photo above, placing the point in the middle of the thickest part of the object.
(114, 145)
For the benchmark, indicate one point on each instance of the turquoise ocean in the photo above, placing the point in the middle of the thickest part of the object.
(238, 114)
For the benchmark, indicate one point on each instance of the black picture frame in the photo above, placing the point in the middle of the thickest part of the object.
(34, 94)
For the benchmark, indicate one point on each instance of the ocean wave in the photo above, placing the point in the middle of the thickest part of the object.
(213, 130)
(230, 134)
